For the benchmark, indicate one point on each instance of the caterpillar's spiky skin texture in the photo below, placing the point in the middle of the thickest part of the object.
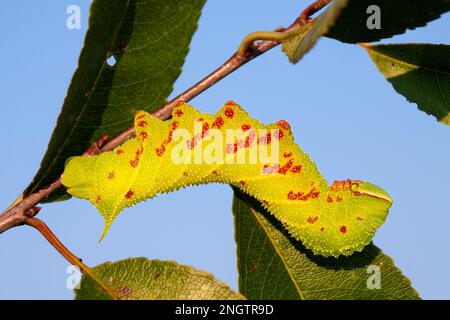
(330, 220)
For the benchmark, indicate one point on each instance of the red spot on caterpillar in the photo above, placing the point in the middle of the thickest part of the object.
(229, 113)
(142, 123)
(214, 173)
(205, 129)
(200, 119)
(247, 142)
(192, 143)
(313, 219)
(268, 138)
(160, 151)
(296, 169)
(143, 135)
(129, 194)
(286, 167)
(336, 185)
(267, 169)
(140, 116)
(134, 163)
(179, 113)
(345, 185)
(322, 229)
(283, 124)
(185, 174)
(119, 151)
(291, 195)
(169, 138)
(301, 196)
(313, 193)
(279, 134)
(232, 148)
(98, 199)
(245, 127)
(343, 229)
(250, 139)
(287, 154)
(329, 198)
(179, 103)
(339, 198)
(174, 125)
(243, 183)
(230, 103)
(218, 122)
(265, 139)
(139, 152)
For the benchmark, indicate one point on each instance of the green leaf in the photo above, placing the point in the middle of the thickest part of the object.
(396, 17)
(273, 265)
(149, 40)
(420, 72)
(306, 37)
(143, 279)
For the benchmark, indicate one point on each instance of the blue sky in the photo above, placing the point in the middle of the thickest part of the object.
(342, 111)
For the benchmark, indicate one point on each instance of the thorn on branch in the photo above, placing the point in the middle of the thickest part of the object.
(305, 16)
(95, 147)
(30, 213)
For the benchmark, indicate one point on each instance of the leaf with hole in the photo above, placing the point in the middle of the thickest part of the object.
(133, 53)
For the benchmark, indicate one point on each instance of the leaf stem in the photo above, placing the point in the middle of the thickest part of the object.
(40, 226)
(282, 34)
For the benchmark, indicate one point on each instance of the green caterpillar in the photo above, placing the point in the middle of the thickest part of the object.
(189, 149)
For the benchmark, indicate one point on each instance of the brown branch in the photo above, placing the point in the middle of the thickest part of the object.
(305, 16)
(16, 215)
(40, 226)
